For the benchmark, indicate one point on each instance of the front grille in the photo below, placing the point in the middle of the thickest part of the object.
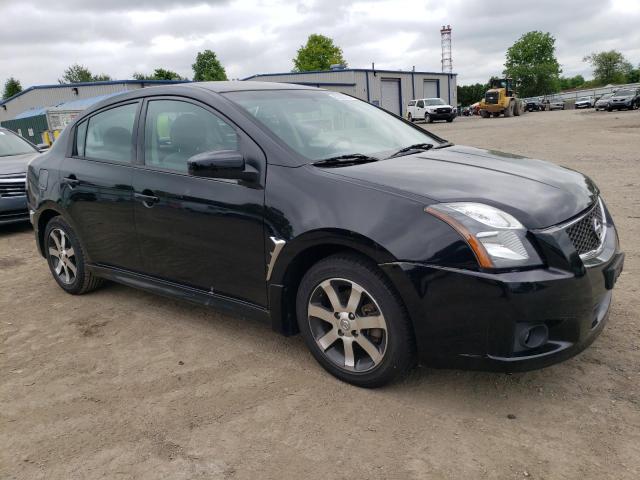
(12, 186)
(492, 97)
(587, 233)
(444, 110)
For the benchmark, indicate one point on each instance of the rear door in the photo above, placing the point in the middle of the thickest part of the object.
(202, 232)
(96, 185)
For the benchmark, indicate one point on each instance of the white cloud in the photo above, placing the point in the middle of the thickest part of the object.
(120, 37)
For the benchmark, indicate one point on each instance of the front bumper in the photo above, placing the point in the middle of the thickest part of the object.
(479, 320)
(441, 116)
(13, 210)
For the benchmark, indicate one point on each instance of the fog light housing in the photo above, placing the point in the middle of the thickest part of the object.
(533, 336)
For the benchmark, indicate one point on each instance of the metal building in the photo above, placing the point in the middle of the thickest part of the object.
(389, 89)
(32, 102)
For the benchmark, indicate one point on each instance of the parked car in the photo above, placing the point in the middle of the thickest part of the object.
(15, 154)
(628, 98)
(533, 105)
(430, 109)
(585, 102)
(603, 101)
(381, 243)
(555, 104)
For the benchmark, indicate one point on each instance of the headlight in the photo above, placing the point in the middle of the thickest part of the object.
(497, 238)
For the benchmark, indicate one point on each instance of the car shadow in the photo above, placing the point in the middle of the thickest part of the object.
(12, 228)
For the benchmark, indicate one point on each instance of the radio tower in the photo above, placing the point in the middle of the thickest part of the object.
(447, 61)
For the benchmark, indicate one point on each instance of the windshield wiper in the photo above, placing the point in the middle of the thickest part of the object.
(418, 147)
(344, 160)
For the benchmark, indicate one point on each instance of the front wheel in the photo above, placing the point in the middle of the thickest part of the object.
(449, 120)
(353, 322)
(66, 259)
(427, 118)
(410, 118)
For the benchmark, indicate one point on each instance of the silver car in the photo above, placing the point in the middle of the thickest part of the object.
(603, 101)
(15, 155)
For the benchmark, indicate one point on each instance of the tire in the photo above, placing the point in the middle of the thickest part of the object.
(379, 354)
(484, 114)
(410, 118)
(516, 109)
(508, 112)
(427, 118)
(449, 120)
(64, 255)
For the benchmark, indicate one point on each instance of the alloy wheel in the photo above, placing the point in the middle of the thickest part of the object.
(347, 325)
(62, 256)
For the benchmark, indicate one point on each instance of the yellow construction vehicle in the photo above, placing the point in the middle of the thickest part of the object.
(500, 99)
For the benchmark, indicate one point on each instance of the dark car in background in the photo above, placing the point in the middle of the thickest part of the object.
(381, 243)
(15, 155)
(625, 98)
(533, 105)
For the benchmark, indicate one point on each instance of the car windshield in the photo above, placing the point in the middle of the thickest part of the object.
(320, 124)
(623, 93)
(583, 99)
(434, 101)
(606, 95)
(11, 144)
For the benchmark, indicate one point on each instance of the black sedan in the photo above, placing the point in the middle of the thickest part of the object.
(382, 244)
(625, 98)
(15, 154)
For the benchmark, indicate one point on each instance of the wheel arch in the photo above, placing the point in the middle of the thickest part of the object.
(302, 253)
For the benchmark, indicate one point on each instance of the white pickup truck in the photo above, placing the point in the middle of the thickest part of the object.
(430, 109)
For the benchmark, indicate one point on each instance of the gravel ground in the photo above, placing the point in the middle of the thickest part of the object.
(122, 384)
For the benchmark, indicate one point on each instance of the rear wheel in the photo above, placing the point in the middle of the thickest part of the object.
(410, 118)
(516, 109)
(66, 259)
(353, 322)
(508, 112)
(484, 114)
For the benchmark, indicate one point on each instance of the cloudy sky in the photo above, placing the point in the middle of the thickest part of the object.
(39, 39)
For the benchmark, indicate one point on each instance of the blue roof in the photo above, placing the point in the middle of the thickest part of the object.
(79, 104)
(82, 103)
(34, 112)
(86, 84)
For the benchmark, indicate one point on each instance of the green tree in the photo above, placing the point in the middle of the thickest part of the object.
(77, 73)
(208, 68)
(532, 63)
(567, 83)
(634, 75)
(319, 53)
(470, 94)
(11, 87)
(609, 67)
(159, 74)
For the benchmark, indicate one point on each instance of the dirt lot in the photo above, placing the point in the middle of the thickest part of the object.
(122, 384)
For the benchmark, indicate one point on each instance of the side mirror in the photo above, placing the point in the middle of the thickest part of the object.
(222, 164)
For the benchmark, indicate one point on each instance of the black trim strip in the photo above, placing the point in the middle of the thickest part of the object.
(183, 292)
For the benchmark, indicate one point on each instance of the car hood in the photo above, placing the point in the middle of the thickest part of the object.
(15, 163)
(622, 98)
(537, 193)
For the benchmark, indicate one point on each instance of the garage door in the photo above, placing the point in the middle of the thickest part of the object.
(430, 89)
(390, 93)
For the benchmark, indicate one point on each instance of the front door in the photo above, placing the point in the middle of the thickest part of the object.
(201, 232)
(96, 186)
